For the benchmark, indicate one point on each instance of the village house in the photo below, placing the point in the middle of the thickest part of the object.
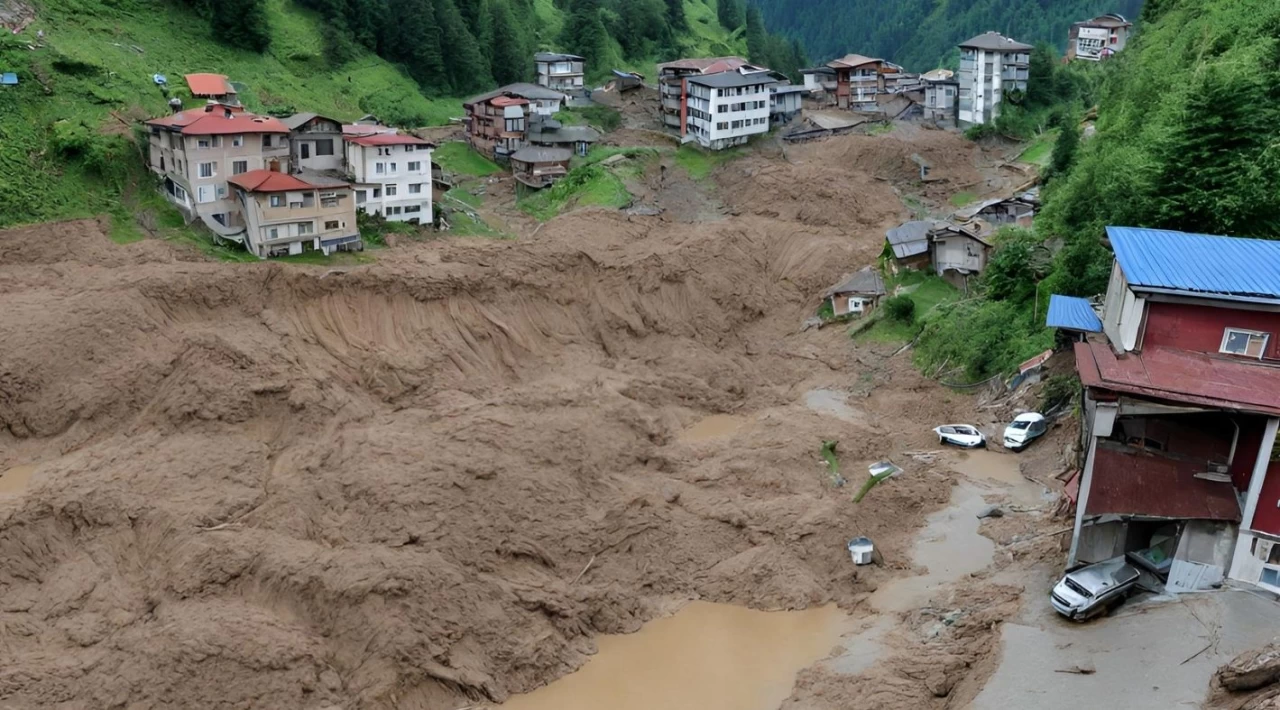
(538, 166)
(957, 253)
(393, 176)
(562, 73)
(624, 81)
(284, 214)
(940, 91)
(672, 89)
(859, 80)
(195, 151)
(1099, 38)
(550, 132)
(1180, 411)
(820, 82)
(784, 102)
(991, 65)
(858, 295)
(212, 87)
(727, 108)
(315, 143)
(497, 122)
(909, 244)
(1018, 210)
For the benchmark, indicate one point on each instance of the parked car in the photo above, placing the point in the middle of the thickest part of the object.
(1094, 589)
(961, 435)
(1024, 429)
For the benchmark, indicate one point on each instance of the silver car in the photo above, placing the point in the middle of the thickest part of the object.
(1094, 589)
(963, 435)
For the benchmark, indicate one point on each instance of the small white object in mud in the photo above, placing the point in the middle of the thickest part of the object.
(861, 550)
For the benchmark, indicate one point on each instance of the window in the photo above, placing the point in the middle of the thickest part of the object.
(380, 168)
(361, 197)
(415, 188)
(237, 141)
(415, 166)
(408, 149)
(273, 233)
(393, 210)
(377, 192)
(390, 190)
(722, 126)
(410, 209)
(203, 143)
(266, 140)
(722, 108)
(305, 228)
(331, 224)
(1249, 343)
(324, 147)
(207, 170)
(391, 167)
(277, 200)
(205, 193)
(239, 166)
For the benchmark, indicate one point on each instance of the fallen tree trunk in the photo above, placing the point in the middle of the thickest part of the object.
(1251, 670)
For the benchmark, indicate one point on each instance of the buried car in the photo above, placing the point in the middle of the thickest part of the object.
(1095, 589)
(961, 435)
(1024, 429)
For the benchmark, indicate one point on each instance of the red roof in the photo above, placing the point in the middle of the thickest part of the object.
(508, 101)
(387, 139)
(208, 85)
(1131, 482)
(272, 181)
(1182, 376)
(212, 120)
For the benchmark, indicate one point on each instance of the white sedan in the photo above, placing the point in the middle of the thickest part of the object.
(963, 435)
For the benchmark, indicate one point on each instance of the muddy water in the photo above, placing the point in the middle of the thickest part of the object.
(706, 657)
(1001, 468)
(714, 427)
(15, 480)
(833, 403)
(950, 546)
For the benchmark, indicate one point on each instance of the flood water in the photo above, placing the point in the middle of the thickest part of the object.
(714, 427)
(705, 657)
(15, 480)
(981, 464)
(833, 403)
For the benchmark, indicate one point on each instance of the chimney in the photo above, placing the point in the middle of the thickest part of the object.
(274, 166)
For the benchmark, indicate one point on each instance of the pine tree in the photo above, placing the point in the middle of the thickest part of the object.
(730, 14)
(413, 39)
(584, 32)
(463, 62)
(241, 23)
(480, 22)
(757, 39)
(1064, 149)
(511, 57)
(675, 15)
(1042, 87)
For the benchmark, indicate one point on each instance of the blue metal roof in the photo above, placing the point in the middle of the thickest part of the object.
(1073, 314)
(9, 79)
(1201, 263)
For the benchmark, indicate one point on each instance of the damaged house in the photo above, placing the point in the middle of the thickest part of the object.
(952, 251)
(999, 212)
(1180, 411)
(857, 295)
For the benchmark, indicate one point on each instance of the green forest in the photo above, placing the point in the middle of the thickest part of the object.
(922, 34)
(1185, 140)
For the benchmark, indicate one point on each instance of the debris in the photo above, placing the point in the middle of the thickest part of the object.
(833, 462)
(880, 471)
(1250, 670)
(991, 511)
(1077, 670)
(584, 570)
(861, 549)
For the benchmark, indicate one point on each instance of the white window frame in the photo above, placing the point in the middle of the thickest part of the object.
(389, 190)
(380, 168)
(235, 167)
(237, 141)
(415, 166)
(213, 169)
(336, 225)
(276, 200)
(273, 233)
(305, 228)
(206, 194)
(415, 188)
(1228, 332)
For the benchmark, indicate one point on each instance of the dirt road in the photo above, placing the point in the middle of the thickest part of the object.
(434, 480)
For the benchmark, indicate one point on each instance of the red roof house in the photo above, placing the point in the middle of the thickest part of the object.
(211, 86)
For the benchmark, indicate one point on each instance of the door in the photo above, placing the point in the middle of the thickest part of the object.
(306, 151)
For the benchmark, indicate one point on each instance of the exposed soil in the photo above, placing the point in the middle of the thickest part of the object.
(432, 481)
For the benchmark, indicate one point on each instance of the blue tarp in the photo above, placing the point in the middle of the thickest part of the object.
(1200, 263)
(1072, 314)
(8, 79)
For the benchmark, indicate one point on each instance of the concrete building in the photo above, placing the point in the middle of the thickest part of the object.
(195, 151)
(315, 143)
(1180, 411)
(1099, 38)
(784, 102)
(991, 65)
(727, 108)
(284, 214)
(562, 73)
(940, 96)
(392, 175)
(497, 122)
(672, 89)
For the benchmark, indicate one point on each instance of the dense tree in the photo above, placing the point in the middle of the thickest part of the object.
(1065, 147)
(463, 62)
(642, 27)
(511, 52)
(584, 33)
(414, 41)
(1042, 89)
(731, 13)
(757, 40)
(675, 15)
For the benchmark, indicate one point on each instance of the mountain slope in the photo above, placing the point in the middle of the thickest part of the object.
(920, 34)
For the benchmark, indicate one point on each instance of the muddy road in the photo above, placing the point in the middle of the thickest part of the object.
(434, 481)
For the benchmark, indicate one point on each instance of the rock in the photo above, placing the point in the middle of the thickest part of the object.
(939, 684)
(991, 511)
(331, 680)
(1251, 670)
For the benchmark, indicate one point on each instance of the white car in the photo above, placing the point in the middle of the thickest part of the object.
(1024, 429)
(963, 435)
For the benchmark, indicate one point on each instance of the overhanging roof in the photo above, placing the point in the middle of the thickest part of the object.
(1072, 313)
(994, 41)
(1182, 376)
(1128, 481)
(865, 282)
(1197, 263)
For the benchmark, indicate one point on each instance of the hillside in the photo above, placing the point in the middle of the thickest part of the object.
(920, 34)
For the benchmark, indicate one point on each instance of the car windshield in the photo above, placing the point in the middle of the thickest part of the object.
(1075, 587)
(1019, 425)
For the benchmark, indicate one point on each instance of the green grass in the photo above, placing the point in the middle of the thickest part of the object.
(587, 186)
(462, 224)
(960, 199)
(465, 197)
(926, 290)
(1040, 149)
(700, 163)
(601, 153)
(879, 129)
(458, 157)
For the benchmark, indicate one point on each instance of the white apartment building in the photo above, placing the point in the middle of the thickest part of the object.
(990, 66)
(726, 109)
(392, 176)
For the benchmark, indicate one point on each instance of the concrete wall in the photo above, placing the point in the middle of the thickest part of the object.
(726, 126)
(957, 252)
(363, 162)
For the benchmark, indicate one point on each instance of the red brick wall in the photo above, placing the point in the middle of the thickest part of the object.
(1267, 517)
(1199, 328)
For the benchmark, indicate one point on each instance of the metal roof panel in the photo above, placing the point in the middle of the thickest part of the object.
(1200, 263)
(1072, 314)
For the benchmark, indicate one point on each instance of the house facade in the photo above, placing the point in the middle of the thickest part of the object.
(284, 214)
(857, 295)
(196, 151)
(315, 143)
(1180, 411)
(726, 109)
(672, 89)
(538, 166)
(1099, 38)
(784, 102)
(991, 66)
(562, 73)
(392, 176)
(859, 80)
(941, 90)
(497, 123)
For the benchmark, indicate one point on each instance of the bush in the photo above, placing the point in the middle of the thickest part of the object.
(979, 131)
(901, 309)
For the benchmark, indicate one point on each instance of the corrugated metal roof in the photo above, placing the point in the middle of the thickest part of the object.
(1131, 482)
(995, 41)
(867, 281)
(910, 238)
(1201, 263)
(1072, 314)
(732, 78)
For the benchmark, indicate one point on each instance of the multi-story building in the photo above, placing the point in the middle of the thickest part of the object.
(497, 122)
(560, 72)
(940, 90)
(392, 175)
(859, 80)
(315, 143)
(671, 85)
(726, 109)
(1180, 410)
(784, 102)
(284, 214)
(197, 150)
(991, 65)
(1099, 38)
